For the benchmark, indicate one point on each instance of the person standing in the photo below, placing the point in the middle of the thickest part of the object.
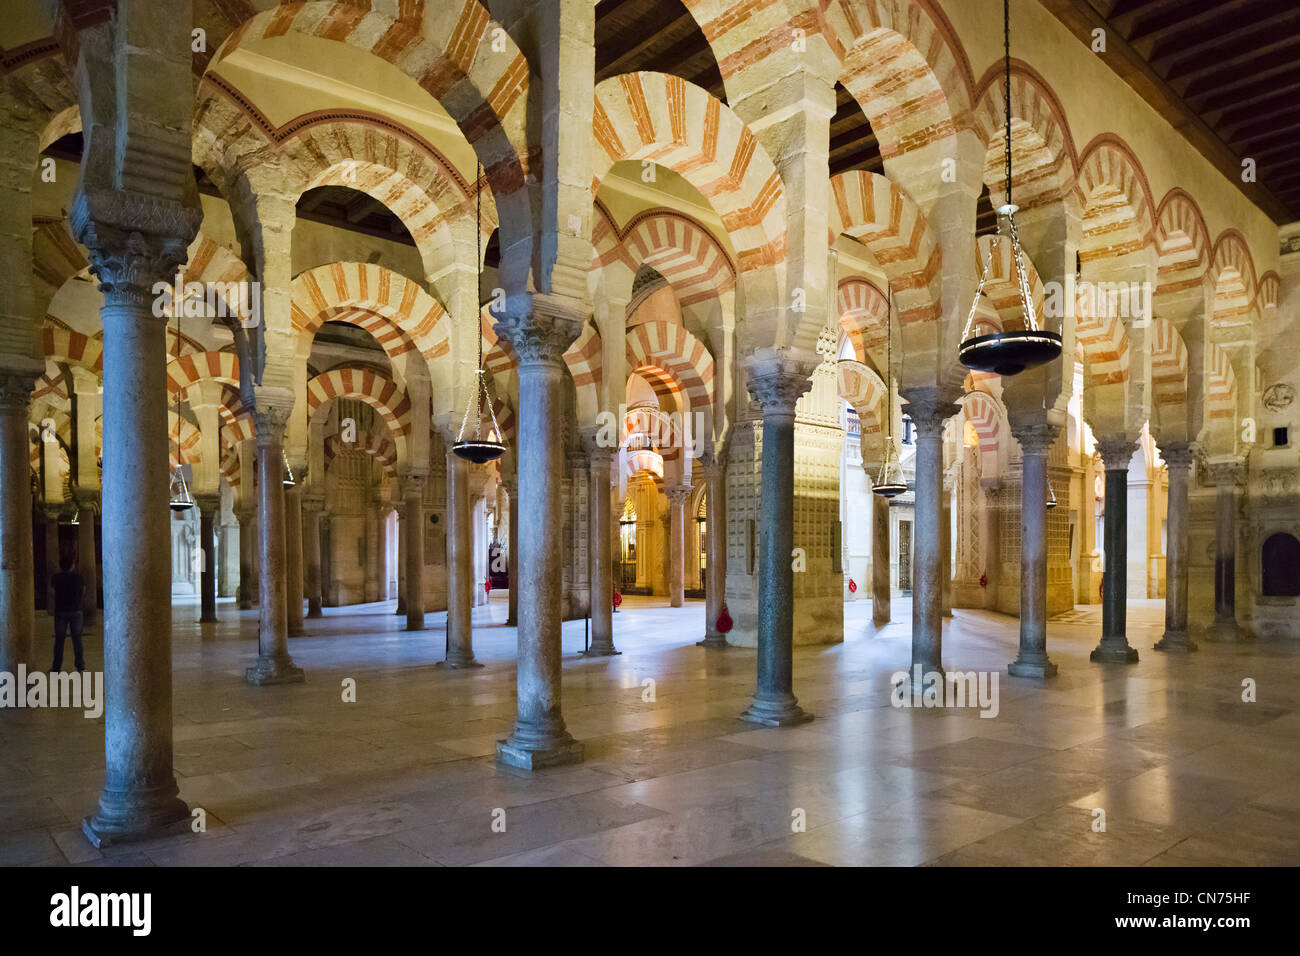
(69, 588)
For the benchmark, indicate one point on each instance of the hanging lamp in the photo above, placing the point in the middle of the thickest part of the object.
(179, 497)
(1008, 352)
(889, 482)
(1051, 495)
(287, 479)
(477, 447)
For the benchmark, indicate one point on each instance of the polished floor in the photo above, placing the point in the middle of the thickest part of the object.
(1184, 770)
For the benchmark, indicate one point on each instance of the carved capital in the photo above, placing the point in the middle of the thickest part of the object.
(16, 392)
(1036, 439)
(544, 333)
(677, 494)
(1224, 471)
(313, 504)
(929, 408)
(269, 422)
(413, 485)
(133, 240)
(777, 378)
(1116, 451)
(1178, 455)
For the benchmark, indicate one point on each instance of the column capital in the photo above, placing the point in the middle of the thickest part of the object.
(545, 332)
(16, 390)
(1036, 439)
(412, 484)
(776, 378)
(269, 422)
(1223, 470)
(315, 502)
(133, 240)
(1177, 454)
(1116, 451)
(208, 503)
(677, 494)
(929, 408)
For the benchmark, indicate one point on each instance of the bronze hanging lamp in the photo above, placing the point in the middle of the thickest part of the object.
(475, 446)
(179, 497)
(1008, 352)
(889, 482)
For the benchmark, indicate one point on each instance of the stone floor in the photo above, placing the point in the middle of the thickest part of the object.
(1185, 771)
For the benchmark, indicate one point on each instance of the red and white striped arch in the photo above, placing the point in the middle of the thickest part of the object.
(864, 390)
(192, 368)
(383, 448)
(663, 118)
(1183, 244)
(378, 391)
(1232, 270)
(1220, 387)
(904, 65)
(1104, 343)
(1270, 287)
(1043, 158)
(68, 345)
(880, 214)
(394, 309)
(994, 258)
(863, 312)
(583, 359)
(668, 348)
(986, 417)
(189, 437)
(680, 249)
(1168, 368)
(1118, 210)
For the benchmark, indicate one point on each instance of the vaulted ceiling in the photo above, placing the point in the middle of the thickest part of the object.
(1224, 73)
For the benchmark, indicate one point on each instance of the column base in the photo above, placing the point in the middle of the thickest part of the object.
(126, 817)
(208, 619)
(315, 613)
(530, 754)
(1032, 666)
(713, 640)
(1175, 641)
(1226, 632)
(274, 670)
(1114, 652)
(601, 650)
(459, 662)
(781, 710)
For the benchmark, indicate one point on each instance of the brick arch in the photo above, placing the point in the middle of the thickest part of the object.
(1104, 344)
(1168, 366)
(380, 445)
(881, 41)
(1232, 255)
(987, 417)
(187, 370)
(394, 309)
(1118, 209)
(880, 215)
(1220, 388)
(679, 248)
(993, 257)
(63, 344)
(1270, 287)
(1044, 161)
(862, 310)
(446, 48)
(378, 391)
(672, 349)
(663, 118)
(178, 427)
(859, 385)
(1182, 242)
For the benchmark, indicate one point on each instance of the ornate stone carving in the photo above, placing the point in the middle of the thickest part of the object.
(777, 379)
(677, 494)
(1178, 454)
(269, 421)
(1036, 439)
(16, 391)
(544, 333)
(1278, 397)
(929, 408)
(1116, 451)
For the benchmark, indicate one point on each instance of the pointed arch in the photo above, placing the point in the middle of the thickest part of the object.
(1118, 209)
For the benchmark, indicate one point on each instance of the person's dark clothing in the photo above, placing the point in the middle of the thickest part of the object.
(69, 588)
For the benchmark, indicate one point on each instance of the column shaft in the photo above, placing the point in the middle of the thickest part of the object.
(293, 589)
(460, 570)
(512, 557)
(677, 498)
(1225, 627)
(413, 504)
(715, 514)
(1032, 661)
(1114, 646)
(274, 665)
(208, 511)
(87, 563)
(1178, 460)
(17, 571)
(600, 562)
(880, 561)
(246, 548)
(928, 413)
(311, 556)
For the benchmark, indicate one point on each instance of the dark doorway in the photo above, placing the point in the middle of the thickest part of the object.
(1281, 561)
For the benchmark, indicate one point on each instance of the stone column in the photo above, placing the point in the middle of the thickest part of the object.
(17, 561)
(539, 738)
(776, 381)
(928, 409)
(209, 508)
(401, 562)
(460, 569)
(512, 556)
(715, 511)
(274, 665)
(413, 505)
(601, 560)
(1036, 441)
(140, 796)
(880, 561)
(1225, 628)
(945, 547)
(87, 563)
(677, 496)
(246, 549)
(52, 550)
(312, 505)
(370, 578)
(1178, 461)
(1116, 453)
(293, 589)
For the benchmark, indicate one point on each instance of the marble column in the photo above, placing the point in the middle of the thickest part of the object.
(293, 590)
(677, 496)
(1178, 461)
(715, 513)
(776, 381)
(209, 508)
(1036, 442)
(274, 665)
(928, 410)
(460, 569)
(880, 561)
(1116, 454)
(312, 505)
(600, 550)
(246, 550)
(539, 339)
(1225, 628)
(413, 505)
(140, 796)
(87, 562)
(17, 561)
(512, 555)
